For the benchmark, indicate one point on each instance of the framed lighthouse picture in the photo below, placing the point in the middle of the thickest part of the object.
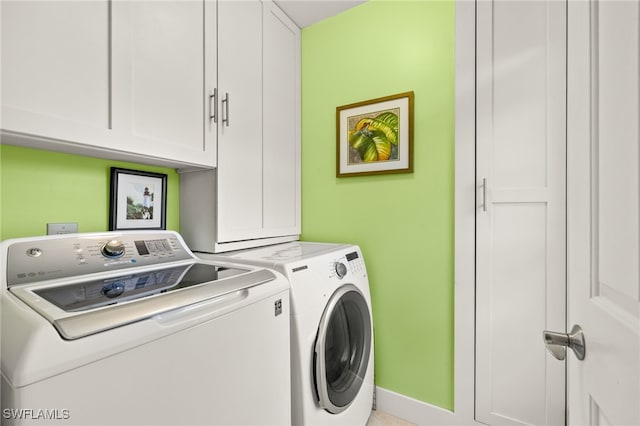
(138, 200)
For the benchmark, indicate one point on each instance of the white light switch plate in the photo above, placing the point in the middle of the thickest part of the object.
(61, 228)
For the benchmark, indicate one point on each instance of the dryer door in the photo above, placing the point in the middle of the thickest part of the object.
(342, 349)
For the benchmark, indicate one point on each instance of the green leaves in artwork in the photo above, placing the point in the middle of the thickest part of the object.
(376, 139)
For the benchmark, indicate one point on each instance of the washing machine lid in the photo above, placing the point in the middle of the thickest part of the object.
(88, 307)
(88, 283)
(98, 293)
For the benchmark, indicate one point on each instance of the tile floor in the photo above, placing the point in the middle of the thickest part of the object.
(380, 418)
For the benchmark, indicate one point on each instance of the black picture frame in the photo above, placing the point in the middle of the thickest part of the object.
(138, 200)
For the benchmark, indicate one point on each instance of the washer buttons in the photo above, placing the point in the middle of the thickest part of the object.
(34, 252)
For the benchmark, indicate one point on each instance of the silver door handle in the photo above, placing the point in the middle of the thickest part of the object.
(225, 116)
(557, 343)
(484, 194)
(213, 110)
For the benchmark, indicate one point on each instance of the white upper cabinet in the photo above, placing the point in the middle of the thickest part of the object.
(258, 178)
(55, 68)
(118, 79)
(240, 118)
(253, 197)
(190, 84)
(281, 123)
(160, 80)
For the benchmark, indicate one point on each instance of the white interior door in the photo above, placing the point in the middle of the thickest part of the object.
(520, 220)
(603, 210)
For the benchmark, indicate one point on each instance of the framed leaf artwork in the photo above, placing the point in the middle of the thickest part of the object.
(375, 136)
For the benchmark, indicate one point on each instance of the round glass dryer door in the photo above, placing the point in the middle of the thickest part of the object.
(342, 349)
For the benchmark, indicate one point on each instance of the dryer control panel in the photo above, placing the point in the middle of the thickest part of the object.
(80, 254)
(351, 261)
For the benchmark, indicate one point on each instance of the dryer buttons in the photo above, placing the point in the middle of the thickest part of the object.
(341, 269)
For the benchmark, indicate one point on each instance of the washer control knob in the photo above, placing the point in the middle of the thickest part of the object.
(341, 269)
(113, 249)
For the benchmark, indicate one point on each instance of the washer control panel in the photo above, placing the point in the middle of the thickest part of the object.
(79, 254)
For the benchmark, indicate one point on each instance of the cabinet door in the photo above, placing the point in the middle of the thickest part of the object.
(160, 84)
(240, 120)
(281, 126)
(55, 68)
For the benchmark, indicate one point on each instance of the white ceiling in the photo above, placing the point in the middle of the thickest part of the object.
(307, 12)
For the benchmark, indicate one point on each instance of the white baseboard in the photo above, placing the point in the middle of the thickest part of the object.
(412, 410)
(418, 412)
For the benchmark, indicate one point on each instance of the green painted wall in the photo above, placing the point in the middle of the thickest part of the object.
(403, 222)
(37, 187)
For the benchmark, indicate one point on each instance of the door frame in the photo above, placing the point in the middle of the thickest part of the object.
(463, 412)
(465, 193)
(465, 211)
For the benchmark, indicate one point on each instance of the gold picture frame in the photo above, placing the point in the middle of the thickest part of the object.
(375, 136)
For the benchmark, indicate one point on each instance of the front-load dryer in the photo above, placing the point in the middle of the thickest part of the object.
(331, 328)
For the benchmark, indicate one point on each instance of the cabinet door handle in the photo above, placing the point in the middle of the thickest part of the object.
(213, 111)
(484, 194)
(225, 112)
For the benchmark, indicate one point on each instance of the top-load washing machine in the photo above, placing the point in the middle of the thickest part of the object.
(331, 328)
(131, 328)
